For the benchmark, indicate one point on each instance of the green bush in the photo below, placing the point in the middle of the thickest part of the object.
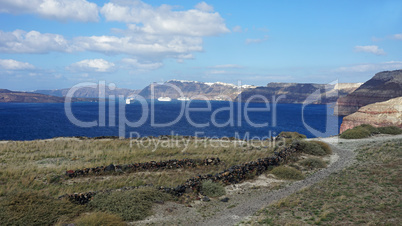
(292, 135)
(324, 146)
(373, 130)
(365, 130)
(130, 205)
(313, 163)
(212, 189)
(287, 173)
(35, 209)
(355, 133)
(359, 132)
(390, 130)
(99, 218)
(308, 147)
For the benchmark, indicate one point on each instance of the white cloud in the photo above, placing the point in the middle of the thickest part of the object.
(397, 36)
(217, 72)
(10, 64)
(94, 65)
(384, 66)
(140, 45)
(237, 29)
(20, 41)
(164, 21)
(370, 49)
(63, 10)
(227, 66)
(133, 63)
(257, 40)
(152, 32)
(204, 7)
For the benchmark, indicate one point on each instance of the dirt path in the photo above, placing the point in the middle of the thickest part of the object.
(343, 148)
(244, 203)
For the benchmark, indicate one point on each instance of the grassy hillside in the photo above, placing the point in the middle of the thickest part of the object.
(367, 193)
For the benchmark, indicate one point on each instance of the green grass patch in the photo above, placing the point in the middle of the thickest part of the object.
(287, 173)
(212, 189)
(313, 163)
(130, 205)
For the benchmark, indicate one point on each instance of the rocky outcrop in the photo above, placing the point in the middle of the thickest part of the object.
(193, 89)
(8, 96)
(387, 113)
(383, 86)
(89, 92)
(299, 92)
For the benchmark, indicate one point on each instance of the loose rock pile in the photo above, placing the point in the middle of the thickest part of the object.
(135, 167)
(233, 175)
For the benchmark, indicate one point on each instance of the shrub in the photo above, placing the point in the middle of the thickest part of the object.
(359, 132)
(313, 163)
(355, 133)
(292, 135)
(324, 146)
(288, 173)
(35, 209)
(370, 128)
(311, 148)
(130, 205)
(212, 189)
(390, 130)
(99, 218)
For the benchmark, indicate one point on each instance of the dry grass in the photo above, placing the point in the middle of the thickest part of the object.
(288, 173)
(39, 165)
(366, 193)
(99, 218)
(37, 168)
(34, 208)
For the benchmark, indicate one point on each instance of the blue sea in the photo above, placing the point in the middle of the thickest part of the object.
(30, 121)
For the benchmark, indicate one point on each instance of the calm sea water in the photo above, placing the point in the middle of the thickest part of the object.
(24, 121)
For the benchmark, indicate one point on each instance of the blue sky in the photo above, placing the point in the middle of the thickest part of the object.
(50, 44)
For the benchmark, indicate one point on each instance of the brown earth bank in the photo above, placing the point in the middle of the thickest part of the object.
(383, 86)
(387, 113)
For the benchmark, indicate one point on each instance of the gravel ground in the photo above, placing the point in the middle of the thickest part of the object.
(245, 204)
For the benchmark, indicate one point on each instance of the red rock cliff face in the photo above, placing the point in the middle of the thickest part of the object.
(387, 113)
(383, 86)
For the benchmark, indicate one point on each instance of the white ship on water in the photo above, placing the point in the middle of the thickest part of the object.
(130, 100)
(164, 99)
(183, 98)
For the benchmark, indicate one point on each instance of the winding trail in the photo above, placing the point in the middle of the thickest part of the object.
(343, 148)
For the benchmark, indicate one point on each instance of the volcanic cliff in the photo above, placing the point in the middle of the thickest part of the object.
(90, 92)
(193, 89)
(8, 96)
(387, 113)
(299, 92)
(383, 86)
